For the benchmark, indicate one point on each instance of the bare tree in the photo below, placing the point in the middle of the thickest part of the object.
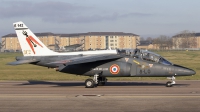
(169, 42)
(163, 42)
(149, 39)
(176, 42)
(142, 39)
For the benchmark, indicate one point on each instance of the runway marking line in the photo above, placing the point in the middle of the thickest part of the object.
(134, 95)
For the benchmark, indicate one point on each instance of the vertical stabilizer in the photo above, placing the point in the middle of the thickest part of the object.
(30, 44)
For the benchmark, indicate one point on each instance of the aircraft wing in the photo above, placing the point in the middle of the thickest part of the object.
(19, 62)
(87, 59)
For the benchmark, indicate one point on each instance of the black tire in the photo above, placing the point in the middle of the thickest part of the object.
(169, 84)
(89, 83)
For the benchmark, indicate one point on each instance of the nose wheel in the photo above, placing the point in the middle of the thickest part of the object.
(172, 82)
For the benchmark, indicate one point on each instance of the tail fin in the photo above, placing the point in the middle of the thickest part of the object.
(30, 44)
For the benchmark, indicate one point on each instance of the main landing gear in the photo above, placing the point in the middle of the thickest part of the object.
(172, 82)
(96, 81)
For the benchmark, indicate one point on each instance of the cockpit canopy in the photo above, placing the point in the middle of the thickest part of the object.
(151, 56)
(146, 55)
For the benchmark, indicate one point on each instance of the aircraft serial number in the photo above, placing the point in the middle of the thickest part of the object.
(18, 25)
(100, 69)
(145, 71)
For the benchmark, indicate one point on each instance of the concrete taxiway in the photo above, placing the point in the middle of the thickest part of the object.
(149, 96)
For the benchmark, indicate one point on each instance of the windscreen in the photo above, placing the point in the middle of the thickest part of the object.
(164, 61)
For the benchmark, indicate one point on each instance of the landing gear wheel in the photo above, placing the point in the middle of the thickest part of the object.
(169, 84)
(89, 83)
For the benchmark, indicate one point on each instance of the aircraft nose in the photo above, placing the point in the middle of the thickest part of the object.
(189, 72)
(183, 71)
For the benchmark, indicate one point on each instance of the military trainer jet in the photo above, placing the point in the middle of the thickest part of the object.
(97, 64)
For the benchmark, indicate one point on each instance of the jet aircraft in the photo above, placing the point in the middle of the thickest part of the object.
(97, 64)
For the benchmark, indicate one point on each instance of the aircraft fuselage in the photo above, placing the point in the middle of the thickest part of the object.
(123, 67)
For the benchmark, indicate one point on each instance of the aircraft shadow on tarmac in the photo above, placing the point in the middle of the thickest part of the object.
(69, 84)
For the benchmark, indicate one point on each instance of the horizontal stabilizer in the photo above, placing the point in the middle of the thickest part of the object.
(22, 62)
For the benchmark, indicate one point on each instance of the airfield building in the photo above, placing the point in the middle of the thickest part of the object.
(186, 41)
(88, 41)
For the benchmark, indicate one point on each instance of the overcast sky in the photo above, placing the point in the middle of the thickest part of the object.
(147, 18)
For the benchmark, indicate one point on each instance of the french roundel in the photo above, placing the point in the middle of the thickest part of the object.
(114, 69)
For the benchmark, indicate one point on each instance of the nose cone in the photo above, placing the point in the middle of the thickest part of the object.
(183, 71)
(188, 72)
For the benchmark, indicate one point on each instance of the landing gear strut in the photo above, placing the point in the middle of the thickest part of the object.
(172, 82)
(102, 81)
(96, 81)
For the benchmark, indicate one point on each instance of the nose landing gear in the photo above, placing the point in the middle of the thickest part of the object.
(172, 82)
